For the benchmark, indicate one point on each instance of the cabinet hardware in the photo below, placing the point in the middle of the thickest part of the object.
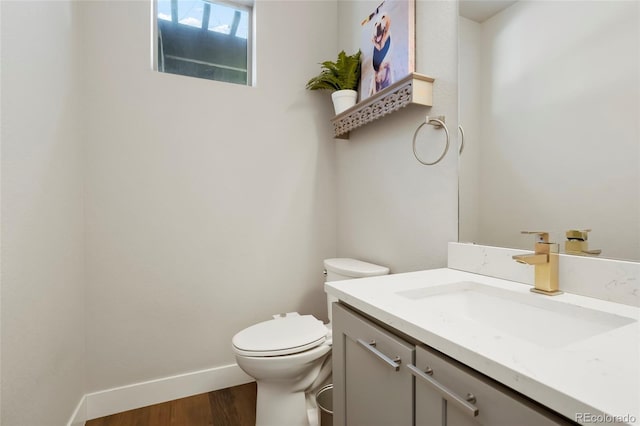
(465, 404)
(395, 363)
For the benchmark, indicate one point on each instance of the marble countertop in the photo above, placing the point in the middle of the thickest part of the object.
(597, 375)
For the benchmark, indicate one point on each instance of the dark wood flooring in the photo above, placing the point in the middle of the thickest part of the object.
(234, 406)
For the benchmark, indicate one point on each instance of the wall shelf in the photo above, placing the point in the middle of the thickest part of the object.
(413, 89)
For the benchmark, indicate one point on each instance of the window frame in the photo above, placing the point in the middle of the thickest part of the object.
(244, 5)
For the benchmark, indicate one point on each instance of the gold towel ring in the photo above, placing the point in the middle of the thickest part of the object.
(437, 122)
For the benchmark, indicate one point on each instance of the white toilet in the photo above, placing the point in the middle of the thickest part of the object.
(289, 355)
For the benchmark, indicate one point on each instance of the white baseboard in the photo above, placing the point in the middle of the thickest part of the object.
(79, 416)
(124, 398)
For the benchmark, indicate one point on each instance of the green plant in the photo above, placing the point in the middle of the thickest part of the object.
(340, 75)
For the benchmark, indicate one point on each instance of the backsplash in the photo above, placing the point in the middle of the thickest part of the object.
(606, 279)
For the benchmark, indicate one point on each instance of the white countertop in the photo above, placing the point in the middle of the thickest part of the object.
(596, 375)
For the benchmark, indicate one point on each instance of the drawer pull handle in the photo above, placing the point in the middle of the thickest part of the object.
(465, 404)
(371, 347)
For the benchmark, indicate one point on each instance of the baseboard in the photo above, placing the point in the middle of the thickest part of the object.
(117, 400)
(79, 416)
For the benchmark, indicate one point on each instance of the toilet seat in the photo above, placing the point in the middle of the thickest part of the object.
(281, 336)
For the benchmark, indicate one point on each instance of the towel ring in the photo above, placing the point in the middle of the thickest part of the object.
(437, 122)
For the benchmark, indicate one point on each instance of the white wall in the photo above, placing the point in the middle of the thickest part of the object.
(560, 129)
(207, 206)
(391, 209)
(210, 206)
(42, 216)
(469, 86)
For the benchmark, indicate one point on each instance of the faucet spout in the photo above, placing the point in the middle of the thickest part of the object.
(545, 261)
(531, 259)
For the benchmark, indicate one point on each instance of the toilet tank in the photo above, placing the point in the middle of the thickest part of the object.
(346, 269)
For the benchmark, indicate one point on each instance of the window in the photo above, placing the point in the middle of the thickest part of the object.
(205, 38)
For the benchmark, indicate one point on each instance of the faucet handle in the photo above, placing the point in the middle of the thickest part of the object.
(541, 236)
(577, 243)
(578, 234)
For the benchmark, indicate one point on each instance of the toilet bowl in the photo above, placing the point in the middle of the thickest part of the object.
(285, 356)
(289, 355)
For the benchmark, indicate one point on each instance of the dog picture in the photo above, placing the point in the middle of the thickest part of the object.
(387, 46)
(381, 60)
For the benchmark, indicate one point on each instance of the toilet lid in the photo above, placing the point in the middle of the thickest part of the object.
(281, 336)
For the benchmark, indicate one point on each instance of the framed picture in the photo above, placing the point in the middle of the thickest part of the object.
(388, 45)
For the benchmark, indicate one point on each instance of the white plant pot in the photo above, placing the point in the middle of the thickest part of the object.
(343, 100)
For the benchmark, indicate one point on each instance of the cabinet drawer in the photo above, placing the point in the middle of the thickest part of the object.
(459, 391)
(372, 384)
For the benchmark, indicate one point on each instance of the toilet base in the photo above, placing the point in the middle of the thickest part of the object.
(277, 405)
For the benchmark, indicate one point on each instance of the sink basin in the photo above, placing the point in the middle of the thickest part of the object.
(538, 319)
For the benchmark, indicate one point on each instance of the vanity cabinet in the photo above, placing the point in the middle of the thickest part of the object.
(372, 384)
(449, 393)
(382, 379)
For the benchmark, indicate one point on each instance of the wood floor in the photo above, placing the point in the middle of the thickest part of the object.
(234, 406)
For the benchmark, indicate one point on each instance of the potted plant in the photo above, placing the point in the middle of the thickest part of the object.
(342, 78)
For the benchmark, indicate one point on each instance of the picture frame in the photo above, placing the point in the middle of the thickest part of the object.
(387, 46)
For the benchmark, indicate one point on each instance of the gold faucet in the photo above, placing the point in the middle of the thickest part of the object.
(577, 243)
(545, 261)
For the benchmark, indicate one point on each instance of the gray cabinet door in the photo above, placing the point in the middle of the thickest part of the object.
(461, 391)
(372, 385)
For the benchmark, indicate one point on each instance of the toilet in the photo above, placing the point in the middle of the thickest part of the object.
(289, 355)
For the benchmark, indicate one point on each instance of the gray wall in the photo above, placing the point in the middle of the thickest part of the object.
(210, 206)
(42, 320)
(200, 207)
(391, 209)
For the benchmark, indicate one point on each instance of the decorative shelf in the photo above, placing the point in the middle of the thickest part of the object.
(413, 89)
